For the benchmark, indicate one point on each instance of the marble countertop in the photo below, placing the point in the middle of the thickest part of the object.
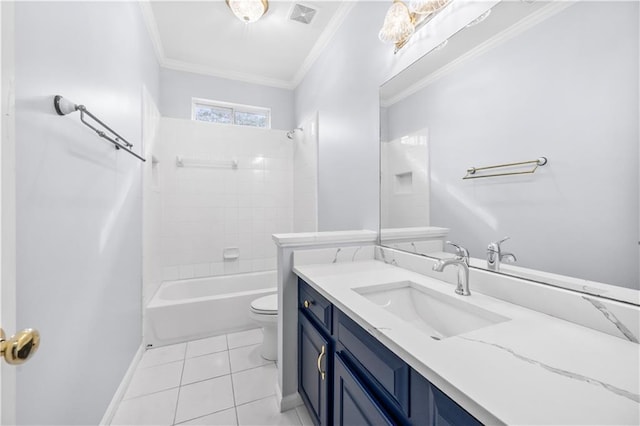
(532, 369)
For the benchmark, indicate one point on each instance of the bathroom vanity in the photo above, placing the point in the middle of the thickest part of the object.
(384, 340)
(347, 377)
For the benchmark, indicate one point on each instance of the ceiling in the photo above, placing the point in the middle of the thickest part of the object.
(205, 37)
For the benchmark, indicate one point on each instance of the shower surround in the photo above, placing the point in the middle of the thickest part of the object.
(209, 205)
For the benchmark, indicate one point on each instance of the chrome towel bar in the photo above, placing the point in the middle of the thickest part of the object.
(64, 107)
(471, 172)
(197, 162)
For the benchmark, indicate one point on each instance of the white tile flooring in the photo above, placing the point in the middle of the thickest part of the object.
(221, 380)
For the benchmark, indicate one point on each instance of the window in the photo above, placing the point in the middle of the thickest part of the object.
(226, 113)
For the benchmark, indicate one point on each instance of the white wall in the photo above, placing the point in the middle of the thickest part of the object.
(79, 207)
(305, 177)
(343, 86)
(178, 87)
(569, 95)
(206, 209)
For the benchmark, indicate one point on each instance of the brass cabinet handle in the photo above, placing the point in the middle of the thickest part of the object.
(20, 347)
(307, 304)
(322, 354)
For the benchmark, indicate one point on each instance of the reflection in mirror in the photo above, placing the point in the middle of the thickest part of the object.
(552, 79)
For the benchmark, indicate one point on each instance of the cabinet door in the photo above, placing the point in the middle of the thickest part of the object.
(447, 413)
(315, 353)
(353, 405)
(429, 406)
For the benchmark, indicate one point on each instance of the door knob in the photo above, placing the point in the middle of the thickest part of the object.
(20, 347)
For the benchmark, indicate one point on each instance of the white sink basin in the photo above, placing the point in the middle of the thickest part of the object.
(432, 312)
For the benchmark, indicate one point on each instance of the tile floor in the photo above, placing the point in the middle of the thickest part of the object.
(221, 380)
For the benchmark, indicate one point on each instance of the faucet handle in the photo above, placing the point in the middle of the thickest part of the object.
(495, 246)
(460, 251)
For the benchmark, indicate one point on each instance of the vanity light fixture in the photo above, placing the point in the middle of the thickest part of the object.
(248, 10)
(401, 21)
(398, 24)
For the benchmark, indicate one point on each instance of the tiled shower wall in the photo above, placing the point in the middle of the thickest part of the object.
(207, 209)
(405, 182)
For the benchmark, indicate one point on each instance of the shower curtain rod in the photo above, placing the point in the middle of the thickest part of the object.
(64, 107)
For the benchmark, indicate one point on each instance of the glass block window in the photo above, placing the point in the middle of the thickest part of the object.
(227, 113)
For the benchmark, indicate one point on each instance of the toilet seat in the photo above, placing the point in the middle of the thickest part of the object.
(267, 305)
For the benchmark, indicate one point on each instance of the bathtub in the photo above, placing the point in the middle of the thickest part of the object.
(201, 307)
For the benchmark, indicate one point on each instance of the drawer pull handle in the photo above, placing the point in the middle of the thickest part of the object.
(307, 304)
(322, 354)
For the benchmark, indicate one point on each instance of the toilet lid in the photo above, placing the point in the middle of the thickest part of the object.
(266, 304)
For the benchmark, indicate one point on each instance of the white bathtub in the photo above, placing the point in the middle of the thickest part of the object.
(201, 307)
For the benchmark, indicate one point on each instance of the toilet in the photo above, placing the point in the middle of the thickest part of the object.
(264, 311)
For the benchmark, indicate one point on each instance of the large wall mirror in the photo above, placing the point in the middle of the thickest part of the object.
(558, 80)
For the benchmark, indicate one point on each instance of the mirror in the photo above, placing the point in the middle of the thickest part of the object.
(558, 80)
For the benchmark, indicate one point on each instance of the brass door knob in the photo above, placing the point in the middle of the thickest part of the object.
(20, 347)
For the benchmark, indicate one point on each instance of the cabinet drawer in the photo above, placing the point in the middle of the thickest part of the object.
(388, 374)
(315, 305)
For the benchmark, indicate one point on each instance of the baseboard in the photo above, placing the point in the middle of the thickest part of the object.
(122, 388)
(287, 402)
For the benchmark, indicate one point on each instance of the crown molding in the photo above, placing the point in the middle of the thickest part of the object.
(152, 28)
(518, 28)
(178, 65)
(325, 38)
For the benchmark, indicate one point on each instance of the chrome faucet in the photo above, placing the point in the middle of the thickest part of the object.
(495, 255)
(462, 262)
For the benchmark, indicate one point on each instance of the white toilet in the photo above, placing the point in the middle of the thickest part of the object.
(264, 311)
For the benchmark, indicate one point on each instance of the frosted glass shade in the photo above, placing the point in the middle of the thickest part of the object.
(248, 10)
(424, 7)
(398, 25)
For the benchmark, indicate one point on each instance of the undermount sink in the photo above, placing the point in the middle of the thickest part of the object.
(432, 312)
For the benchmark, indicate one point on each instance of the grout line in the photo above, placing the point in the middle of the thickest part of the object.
(256, 400)
(233, 391)
(253, 368)
(244, 346)
(207, 354)
(184, 361)
(206, 380)
(159, 365)
(150, 393)
(204, 415)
